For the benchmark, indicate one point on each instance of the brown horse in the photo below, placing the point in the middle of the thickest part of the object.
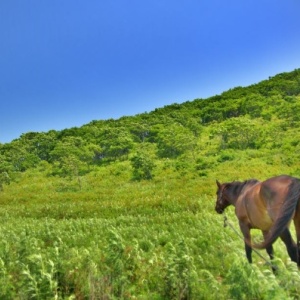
(269, 206)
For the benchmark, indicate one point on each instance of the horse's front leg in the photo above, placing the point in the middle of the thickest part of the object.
(247, 238)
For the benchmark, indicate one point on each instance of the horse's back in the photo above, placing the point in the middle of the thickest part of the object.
(273, 192)
(275, 187)
(278, 181)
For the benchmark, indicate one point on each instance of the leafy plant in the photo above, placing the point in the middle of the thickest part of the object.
(142, 166)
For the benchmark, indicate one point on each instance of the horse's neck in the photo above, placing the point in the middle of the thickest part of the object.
(236, 192)
(233, 200)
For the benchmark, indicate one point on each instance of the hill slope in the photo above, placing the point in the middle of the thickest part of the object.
(125, 208)
(172, 131)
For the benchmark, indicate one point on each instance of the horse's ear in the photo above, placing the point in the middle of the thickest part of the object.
(218, 183)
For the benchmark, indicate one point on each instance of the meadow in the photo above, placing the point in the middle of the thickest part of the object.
(124, 209)
(116, 238)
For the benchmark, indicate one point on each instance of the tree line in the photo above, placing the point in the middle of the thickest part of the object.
(260, 116)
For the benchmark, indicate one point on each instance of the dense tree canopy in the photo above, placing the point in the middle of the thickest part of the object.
(240, 118)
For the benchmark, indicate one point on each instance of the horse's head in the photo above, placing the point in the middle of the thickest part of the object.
(222, 198)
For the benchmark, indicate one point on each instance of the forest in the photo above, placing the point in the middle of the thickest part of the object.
(124, 208)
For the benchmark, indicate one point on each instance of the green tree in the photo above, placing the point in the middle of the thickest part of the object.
(40, 144)
(73, 156)
(115, 142)
(140, 131)
(252, 105)
(239, 133)
(174, 139)
(142, 166)
(17, 157)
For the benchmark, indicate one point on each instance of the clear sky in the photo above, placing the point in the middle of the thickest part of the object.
(64, 63)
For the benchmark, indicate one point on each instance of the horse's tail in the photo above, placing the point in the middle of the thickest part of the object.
(285, 215)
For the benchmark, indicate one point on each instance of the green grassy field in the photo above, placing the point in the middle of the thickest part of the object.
(115, 238)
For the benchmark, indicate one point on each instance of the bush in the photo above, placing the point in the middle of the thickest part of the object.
(142, 166)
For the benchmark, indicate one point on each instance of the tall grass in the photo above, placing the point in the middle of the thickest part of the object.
(118, 238)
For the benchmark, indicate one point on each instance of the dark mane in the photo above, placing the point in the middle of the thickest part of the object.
(236, 187)
(251, 182)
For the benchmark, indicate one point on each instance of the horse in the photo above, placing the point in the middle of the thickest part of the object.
(268, 205)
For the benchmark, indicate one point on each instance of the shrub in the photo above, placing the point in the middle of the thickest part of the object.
(142, 166)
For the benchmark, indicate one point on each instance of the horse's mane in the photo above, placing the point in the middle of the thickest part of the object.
(236, 187)
(251, 182)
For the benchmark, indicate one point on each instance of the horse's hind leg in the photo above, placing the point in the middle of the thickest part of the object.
(270, 252)
(269, 249)
(248, 251)
(297, 227)
(291, 247)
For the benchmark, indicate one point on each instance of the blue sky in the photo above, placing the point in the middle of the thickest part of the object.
(64, 63)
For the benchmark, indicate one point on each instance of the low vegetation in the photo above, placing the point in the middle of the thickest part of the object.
(124, 209)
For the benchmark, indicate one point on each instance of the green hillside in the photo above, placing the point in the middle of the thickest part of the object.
(124, 209)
